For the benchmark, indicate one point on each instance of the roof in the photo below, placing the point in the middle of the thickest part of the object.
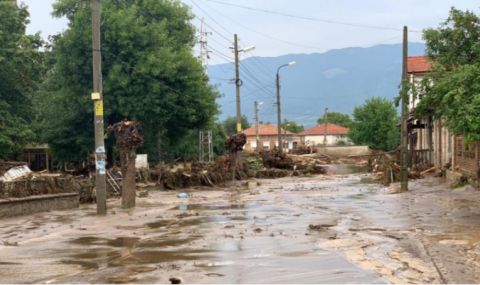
(418, 64)
(264, 130)
(332, 129)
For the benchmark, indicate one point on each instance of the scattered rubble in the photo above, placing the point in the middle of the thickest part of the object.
(386, 167)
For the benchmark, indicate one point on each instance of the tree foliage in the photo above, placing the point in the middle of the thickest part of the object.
(452, 89)
(375, 124)
(149, 75)
(230, 125)
(291, 126)
(21, 67)
(336, 118)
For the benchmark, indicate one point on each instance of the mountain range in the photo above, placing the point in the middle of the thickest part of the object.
(338, 79)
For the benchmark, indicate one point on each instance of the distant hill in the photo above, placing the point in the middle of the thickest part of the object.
(338, 79)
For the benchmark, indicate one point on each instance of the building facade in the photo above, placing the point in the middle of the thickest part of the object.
(430, 142)
(267, 137)
(326, 134)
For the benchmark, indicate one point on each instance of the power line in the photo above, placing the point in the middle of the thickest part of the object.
(213, 29)
(267, 35)
(210, 17)
(251, 75)
(307, 18)
(221, 53)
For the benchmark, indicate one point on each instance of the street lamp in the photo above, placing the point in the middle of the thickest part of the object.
(247, 49)
(279, 117)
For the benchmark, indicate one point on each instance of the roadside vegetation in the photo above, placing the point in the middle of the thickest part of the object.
(452, 90)
(375, 124)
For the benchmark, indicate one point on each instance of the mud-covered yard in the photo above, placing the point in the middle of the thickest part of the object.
(335, 228)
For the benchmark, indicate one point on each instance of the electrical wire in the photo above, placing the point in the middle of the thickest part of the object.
(308, 18)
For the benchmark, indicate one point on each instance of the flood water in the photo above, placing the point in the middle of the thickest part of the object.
(335, 228)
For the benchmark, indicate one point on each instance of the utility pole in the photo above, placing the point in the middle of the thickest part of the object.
(204, 57)
(238, 82)
(279, 116)
(97, 97)
(404, 134)
(325, 116)
(256, 126)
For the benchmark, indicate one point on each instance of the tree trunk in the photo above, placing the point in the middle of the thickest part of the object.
(128, 182)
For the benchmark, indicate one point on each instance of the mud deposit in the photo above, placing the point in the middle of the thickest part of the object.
(324, 229)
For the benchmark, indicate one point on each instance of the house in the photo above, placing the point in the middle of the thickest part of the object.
(329, 134)
(430, 142)
(267, 137)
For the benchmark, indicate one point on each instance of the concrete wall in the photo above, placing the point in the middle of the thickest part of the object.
(339, 151)
(39, 203)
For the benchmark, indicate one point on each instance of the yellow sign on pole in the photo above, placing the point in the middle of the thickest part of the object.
(98, 107)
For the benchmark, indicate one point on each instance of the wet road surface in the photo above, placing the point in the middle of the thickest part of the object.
(323, 229)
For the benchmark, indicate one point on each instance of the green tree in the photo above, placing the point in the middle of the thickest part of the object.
(21, 67)
(149, 75)
(452, 90)
(375, 124)
(230, 125)
(291, 126)
(336, 118)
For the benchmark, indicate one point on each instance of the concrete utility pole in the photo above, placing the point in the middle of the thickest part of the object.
(325, 117)
(238, 83)
(279, 116)
(404, 134)
(97, 97)
(256, 126)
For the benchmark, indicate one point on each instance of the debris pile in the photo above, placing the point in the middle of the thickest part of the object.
(129, 134)
(299, 164)
(37, 184)
(304, 149)
(198, 174)
(276, 159)
(386, 167)
(308, 165)
(235, 143)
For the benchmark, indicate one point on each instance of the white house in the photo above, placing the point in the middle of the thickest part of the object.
(330, 134)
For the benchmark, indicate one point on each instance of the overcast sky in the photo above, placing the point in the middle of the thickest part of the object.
(331, 24)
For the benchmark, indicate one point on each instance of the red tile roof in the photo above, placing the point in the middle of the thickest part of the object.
(418, 64)
(332, 129)
(264, 130)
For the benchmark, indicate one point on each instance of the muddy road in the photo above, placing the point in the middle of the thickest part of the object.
(336, 228)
